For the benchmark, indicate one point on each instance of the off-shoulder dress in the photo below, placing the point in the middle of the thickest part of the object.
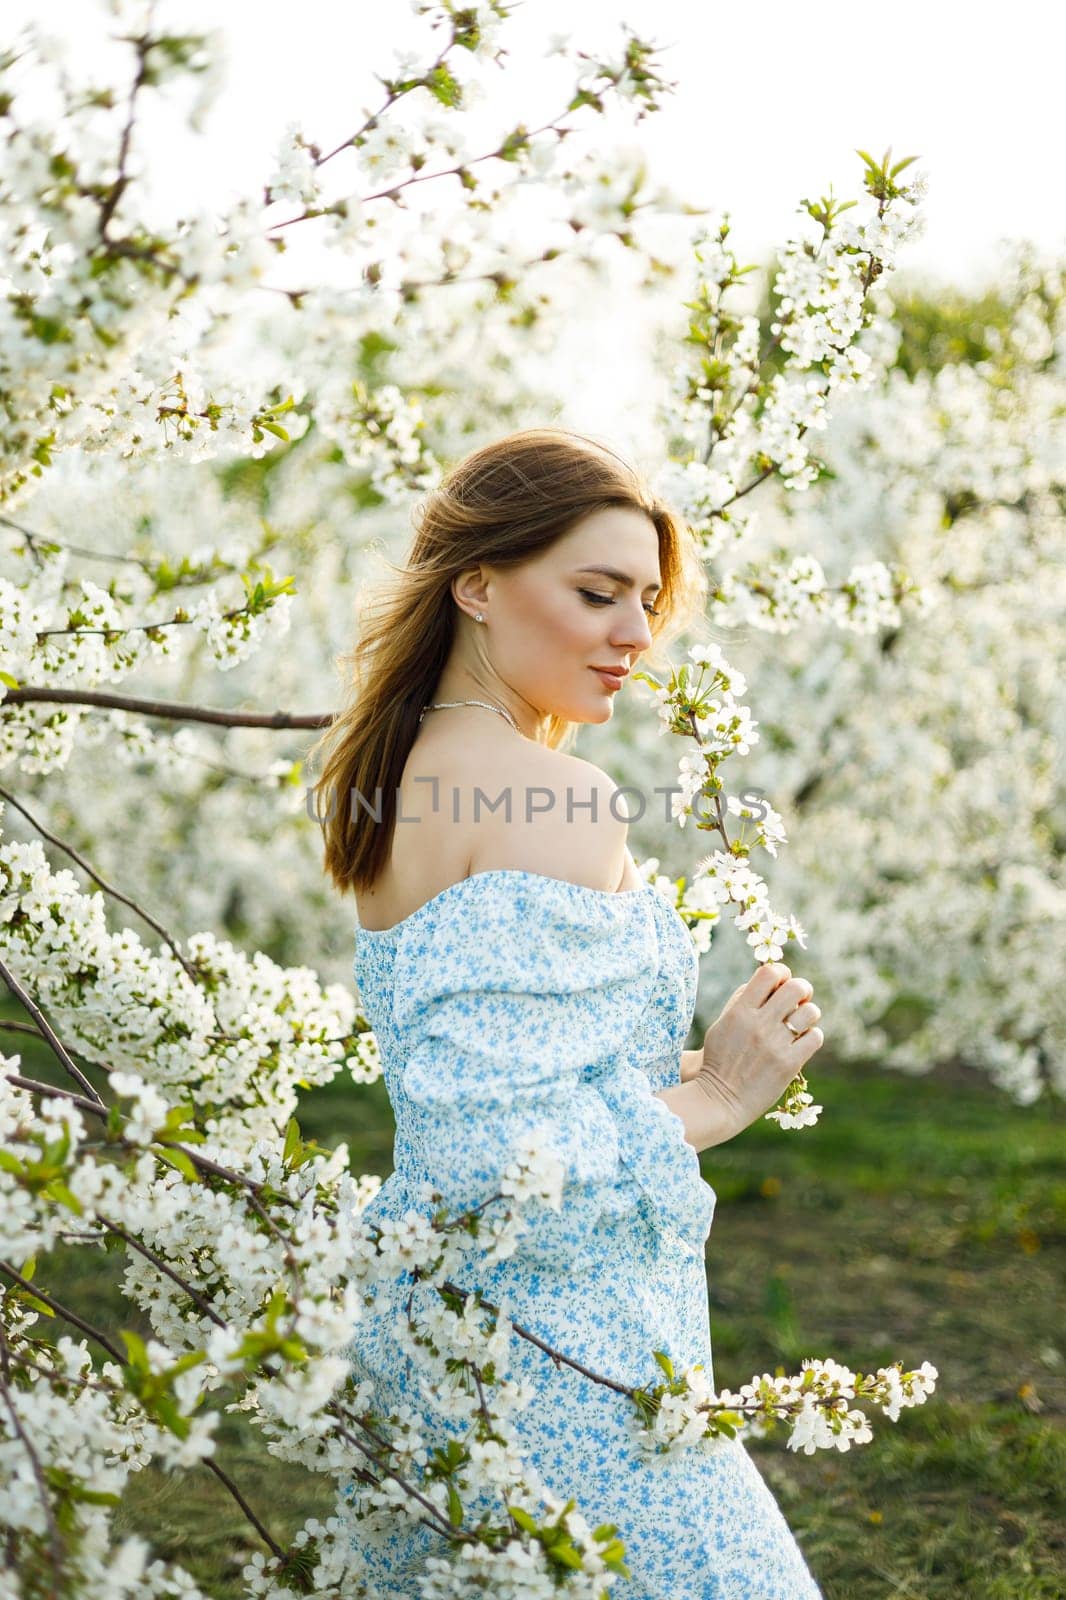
(512, 999)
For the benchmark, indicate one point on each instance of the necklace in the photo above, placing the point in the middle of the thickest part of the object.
(442, 705)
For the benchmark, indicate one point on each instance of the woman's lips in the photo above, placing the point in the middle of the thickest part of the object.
(611, 679)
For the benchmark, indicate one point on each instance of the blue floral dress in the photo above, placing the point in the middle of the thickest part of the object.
(512, 998)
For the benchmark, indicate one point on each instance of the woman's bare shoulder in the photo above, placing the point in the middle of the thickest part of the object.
(551, 812)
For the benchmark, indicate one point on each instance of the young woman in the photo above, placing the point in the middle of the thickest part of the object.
(517, 970)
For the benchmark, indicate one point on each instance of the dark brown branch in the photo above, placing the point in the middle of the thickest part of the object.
(25, 1027)
(56, 1543)
(103, 1387)
(74, 549)
(434, 1520)
(143, 47)
(100, 1385)
(138, 627)
(393, 98)
(99, 1110)
(44, 1027)
(182, 580)
(168, 708)
(158, 1262)
(65, 1312)
(227, 1481)
(108, 888)
(556, 1355)
(51, 1092)
(186, 966)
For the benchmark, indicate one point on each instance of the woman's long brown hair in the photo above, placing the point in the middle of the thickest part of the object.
(502, 504)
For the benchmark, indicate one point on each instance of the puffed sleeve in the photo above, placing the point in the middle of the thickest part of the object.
(514, 1011)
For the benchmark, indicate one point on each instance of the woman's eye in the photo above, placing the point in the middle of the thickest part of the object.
(608, 600)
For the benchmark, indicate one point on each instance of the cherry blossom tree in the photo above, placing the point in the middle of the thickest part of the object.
(158, 379)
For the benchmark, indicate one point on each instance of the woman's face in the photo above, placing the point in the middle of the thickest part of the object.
(551, 622)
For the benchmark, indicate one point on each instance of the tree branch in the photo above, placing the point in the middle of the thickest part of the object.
(56, 1543)
(64, 1311)
(108, 888)
(168, 708)
(44, 1027)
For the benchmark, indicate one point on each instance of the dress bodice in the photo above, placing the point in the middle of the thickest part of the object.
(511, 1000)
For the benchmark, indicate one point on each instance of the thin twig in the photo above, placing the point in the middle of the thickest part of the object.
(224, 1478)
(116, 894)
(158, 1262)
(104, 1387)
(53, 1093)
(48, 1033)
(28, 1027)
(56, 1542)
(187, 580)
(65, 1312)
(99, 1110)
(434, 1521)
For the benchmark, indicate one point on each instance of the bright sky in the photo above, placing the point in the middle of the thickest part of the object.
(772, 100)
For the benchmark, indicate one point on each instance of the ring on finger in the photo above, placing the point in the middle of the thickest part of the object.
(792, 1027)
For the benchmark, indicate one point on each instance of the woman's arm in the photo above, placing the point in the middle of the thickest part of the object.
(691, 1062)
(708, 1119)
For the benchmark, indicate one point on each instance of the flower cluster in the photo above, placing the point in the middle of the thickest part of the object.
(916, 763)
(737, 417)
(699, 702)
(815, 1402)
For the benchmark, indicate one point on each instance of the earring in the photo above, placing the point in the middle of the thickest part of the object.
(479, 617)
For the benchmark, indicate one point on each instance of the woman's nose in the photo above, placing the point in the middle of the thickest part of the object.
(633, 632)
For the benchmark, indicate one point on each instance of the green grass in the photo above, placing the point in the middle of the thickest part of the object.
(921, 1219)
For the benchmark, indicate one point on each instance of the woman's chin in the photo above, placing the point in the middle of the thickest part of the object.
(598, 709)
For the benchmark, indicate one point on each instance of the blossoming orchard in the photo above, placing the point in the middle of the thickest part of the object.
(199, 461)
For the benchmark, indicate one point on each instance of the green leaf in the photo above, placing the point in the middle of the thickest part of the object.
(566, 1555)
(444, 87)
(37, 1305)
(664, 1362)
(136, 1349)
(901, 164)
(166, 1409)
(292, 1139)
(178, 1159)
(94, 1497)
(191, 1358)
(71, 1490)
(59, 1191)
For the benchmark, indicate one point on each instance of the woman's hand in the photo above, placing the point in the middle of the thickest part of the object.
(750, 1056)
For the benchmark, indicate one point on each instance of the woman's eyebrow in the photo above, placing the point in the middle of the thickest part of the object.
(620, 577)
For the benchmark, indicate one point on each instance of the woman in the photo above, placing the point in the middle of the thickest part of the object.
(517, 968)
